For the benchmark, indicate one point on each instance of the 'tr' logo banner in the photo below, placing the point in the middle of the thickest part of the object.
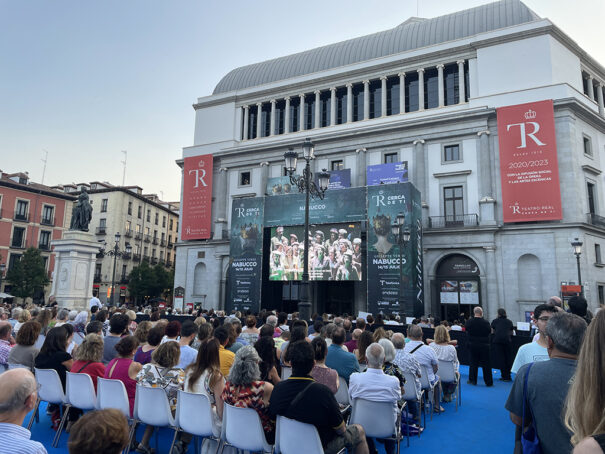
(196, 223)
(529, 171)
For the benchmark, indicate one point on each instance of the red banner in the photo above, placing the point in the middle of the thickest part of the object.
(196, 222)
(529, 171)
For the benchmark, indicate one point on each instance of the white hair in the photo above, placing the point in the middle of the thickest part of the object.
(72, 315)
(374, 356)
(389, 350)
(272, 320)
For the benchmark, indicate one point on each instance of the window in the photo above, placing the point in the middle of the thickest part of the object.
(341, 106)
(244, 178)
(128, 227)
(337, 164)
(375, 98)
(601, 293)
(171, 224)
(104, 206)
(451, 84)
(124, 275)
(146, 251)
(393, 88)
(453, 205)
(47, 214)
(265, 118)
(163, 221)
(587, 146)
(411, 92)
(98, 272)
(12, 260)
(201, 254)
(147, 230)
(102, 223)
(431, 88)
(44, 240)
(294, 114)
(155, 234)
(280, 116)
(591, 198)
(390, 157)
(140, 212)
(21, 212)
(137, 228)
(252, 116)
(597, 254)
(157, 219)
(137, 249)
(162, 255)
(18, 237)
(153, 253)
(451, 153)
(358, 99)
(148, 215)
(163, 237)
(325, 108)
(169, 239)
(129, 207)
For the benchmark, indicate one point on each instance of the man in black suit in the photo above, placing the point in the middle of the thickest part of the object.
(478, 330)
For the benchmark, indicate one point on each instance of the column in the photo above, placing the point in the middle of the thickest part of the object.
(487, 203)
(264, 176)
(421, 89)
(245, 133)
(349, 103)
(361, 166)
(492, 293)
(259, 117)
(600, 98)
(590, 87)
(401, 92)
(419, 179)
(302, 113)
(220, 220)
(440, 88)
(461, 82)
(366, 99)
(272, 123)
(317, 109)
(287, 116)
(332, 106)
(383, 96)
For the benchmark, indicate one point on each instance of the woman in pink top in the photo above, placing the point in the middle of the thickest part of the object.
(123, 368)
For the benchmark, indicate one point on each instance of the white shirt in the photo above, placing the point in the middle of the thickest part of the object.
(375, 385)
(426, 357)
(94, 301)
(456, 328)
(188, 355)
(529, 353)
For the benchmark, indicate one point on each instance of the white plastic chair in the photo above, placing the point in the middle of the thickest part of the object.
(242, 429)
(378, 419)
(291, 436)
(428, 389)
(51, 391)
(409, 394)
(112, 394)
(151, 407)
(194, 416)
(342, 394)
(448, 374)
(286, 372)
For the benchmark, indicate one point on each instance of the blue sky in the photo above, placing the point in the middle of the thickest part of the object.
(84, 80)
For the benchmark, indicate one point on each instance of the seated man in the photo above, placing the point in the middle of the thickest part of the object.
(18, 396)
(376, 386)
(301, 398)
(341, 361)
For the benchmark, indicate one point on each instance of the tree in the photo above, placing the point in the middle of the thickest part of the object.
(28, 274)
(147, 281)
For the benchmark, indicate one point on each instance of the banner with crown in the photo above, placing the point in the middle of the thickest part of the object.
(246, 251)
(394, 277)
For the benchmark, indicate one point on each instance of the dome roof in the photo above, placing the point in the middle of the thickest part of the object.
(414, 33)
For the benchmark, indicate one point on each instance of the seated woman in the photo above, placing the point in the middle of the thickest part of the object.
(388, 367)
(265, 347)
(88, 358)
(204, 377)
(322, 373)
(245, 389)
(123, 368)
(24, 353)
(250, 332)
(364, 341)
(298, 333)
(445, 352)
(162, 373)
(154, 337)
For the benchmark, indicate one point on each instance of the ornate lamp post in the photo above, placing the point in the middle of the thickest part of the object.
(402, 236)
(115, 253)
(305, 184)
(577, 250)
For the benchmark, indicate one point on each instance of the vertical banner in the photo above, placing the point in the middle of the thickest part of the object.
(393, 273)
(529, 172)
(246, 249)
(196, 222)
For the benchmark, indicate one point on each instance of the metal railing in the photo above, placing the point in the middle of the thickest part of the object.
(47, 221)
(101, 230)
(168, 263)
(595, 219)
(138, 236)
(97, 278)
(136, 257)
(154, 261)
(17, 244)
(128, 233)
(453, 221)
(154, 240)
(147, 238)
(162, 243)
(21, 216)
(44, 246)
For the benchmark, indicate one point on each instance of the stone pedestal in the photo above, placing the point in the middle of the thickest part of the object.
(75, 258)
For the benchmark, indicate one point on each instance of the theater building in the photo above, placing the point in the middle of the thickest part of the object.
(498, 118)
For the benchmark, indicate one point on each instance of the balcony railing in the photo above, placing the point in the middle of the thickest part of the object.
(453, 221)
(128, 233)
(595, 219)
(101, 230)
(146, 258)
(136, 257)
(154, 260)
(168, 263)
(126, 256)
(170, 244)
(162, 243)
(17, 244)
(138, 236)
(97, 278)
(47, 221)
(24, 217)
(147, 238)
(44, 246)
(124, 279)
(154, 241)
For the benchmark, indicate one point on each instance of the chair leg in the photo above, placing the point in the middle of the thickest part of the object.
(31, 421)
(176, 432)
(61, 425)
(221, 447)
(131, 432)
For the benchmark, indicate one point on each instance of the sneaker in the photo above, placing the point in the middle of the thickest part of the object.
(144, 449)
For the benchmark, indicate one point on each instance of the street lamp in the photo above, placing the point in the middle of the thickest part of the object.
(577, 250)
(305, 184)
(402, 236)
(2, 270)
(115, 253)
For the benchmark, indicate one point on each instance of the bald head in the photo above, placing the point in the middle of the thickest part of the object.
(398, 340)
(555, 301)
(356, 333)
(17, 395)
(478, 312)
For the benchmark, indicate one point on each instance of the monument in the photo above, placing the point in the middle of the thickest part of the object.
(75, 258)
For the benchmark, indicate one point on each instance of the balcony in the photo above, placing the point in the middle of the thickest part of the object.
(97, 278)
(147, 238)
(154, 260)
(162, 243)
(136, 257)
(596, 220)
(44, 246)
(453, 221)
(162, 262)
(155, 240)
(47, 221)
(168, 263)
(126, 256)
(128, 233)
(124, 279)
(23, 217)
(170, 245)
(17, 244)
(138, 236)
(146, 258)
(101, 230)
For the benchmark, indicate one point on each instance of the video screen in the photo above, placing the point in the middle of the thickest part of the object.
(334, 252)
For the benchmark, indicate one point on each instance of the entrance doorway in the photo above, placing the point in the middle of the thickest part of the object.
(457, 287)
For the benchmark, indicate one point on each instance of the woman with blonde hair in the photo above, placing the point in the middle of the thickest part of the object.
(586, 397)
(88, 358)
(445, 352)
(25, 316)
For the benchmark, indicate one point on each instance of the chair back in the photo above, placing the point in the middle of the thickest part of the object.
(17, 366)
(81, 391)
(424, 378)
(194, 415)
(409, 389)
(376, 418)
(447, 373)
(112, 394)
(293, 435)
(151, 407)
(51, 389)
(286, 372)
(342, 394)
(242, 428)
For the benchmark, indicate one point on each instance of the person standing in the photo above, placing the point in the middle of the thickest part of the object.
(478, 330)
(502, 329)
(95, 302)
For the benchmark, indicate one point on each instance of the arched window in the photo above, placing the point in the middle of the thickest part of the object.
(198, 279)
(529, 275)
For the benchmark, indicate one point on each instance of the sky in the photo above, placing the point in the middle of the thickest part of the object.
(84, 80)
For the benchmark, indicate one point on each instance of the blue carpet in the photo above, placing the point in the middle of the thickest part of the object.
(480, 425)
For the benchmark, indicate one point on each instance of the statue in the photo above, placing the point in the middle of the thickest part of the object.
(82, 213)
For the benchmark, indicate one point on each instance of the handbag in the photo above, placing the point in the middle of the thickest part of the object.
(529, 438)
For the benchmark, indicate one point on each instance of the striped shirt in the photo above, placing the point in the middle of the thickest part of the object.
(18, 438)
(5, 349)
